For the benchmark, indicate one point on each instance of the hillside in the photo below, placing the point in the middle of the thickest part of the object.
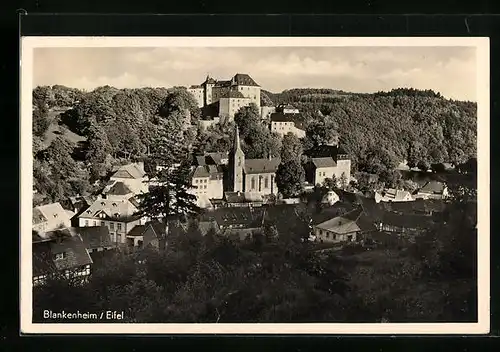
(403, 124)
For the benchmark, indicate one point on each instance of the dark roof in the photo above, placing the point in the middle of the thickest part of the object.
(323, 214)
(95, 236)
(324, 162)
(210, 80)
(42, 258)
(76, 255)
(243, 79)
(38, 217)
(206, 171)
(281, 117)
(218, 156)
(407, 220)
(433, 187)
(241, 217)
(258, 166)
(137, 230)
(325, 151)
(418, 206)
(222, 83)
(119, 189)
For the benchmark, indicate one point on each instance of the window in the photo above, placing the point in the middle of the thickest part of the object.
(60, 256)
(252, 183)
(119, 226)
(195, 180)
(118, 238)
(327, 234)
(102, 223)
(266, 182)
(86, 223)
(112, 225)
(95, 223)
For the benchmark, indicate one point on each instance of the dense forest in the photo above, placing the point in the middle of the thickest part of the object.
(110, 126)
(381, 130)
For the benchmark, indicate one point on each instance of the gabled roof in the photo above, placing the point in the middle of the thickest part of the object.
(258, 166)
(75, 255)
(407, 220)
(206, 171)
(119, 189)
(133, 170)
(323, 162)
(433, 187)
(95, 236)
(38, 217)
(243, 79)
(237, 217)
(137, 230)
(218, 156)
(352, 221)
(110, 207)
(396, 194)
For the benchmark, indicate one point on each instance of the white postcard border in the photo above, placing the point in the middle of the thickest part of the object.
(28, 44)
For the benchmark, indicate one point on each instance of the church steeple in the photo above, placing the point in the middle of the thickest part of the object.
(236, 164)
(236, 144)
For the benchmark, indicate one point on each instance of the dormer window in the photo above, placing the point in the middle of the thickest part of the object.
(103, 204)
(114, 204)
(117, 215)
(55, 215)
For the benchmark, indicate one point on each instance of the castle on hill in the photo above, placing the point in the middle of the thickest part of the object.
(222, 99)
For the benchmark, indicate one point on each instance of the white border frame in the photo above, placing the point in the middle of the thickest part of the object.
(483, 102)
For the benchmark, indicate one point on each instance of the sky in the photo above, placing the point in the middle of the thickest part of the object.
(448, 70)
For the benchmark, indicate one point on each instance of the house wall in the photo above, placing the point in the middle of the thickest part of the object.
(251, 92)
(330, 236)
(283, 127)
(228, 107)
(259, 183)
(117, 230)
(198, 95)
(266, 111)
(212, 188)
(322, 173)
(343, 166)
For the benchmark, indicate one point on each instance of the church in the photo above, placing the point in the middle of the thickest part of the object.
(251, 175)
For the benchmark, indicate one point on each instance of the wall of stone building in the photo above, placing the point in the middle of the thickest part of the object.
(208, 94)
(323, 173)
(329, 236)
(251, 92)
(343, 166)
(272, 187)
(216, 190)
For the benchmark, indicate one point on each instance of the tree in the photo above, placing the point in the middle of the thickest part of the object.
(343, 181)
(291, 148)
(331, 183)
(290, 178)
(322, 132)
(41, 121)
(169, 197)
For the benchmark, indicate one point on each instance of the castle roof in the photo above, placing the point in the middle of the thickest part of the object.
(243, 79)
(323, 162)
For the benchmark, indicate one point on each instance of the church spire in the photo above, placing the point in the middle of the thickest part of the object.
(236, 145)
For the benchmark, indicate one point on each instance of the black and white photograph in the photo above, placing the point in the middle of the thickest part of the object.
(255, 185)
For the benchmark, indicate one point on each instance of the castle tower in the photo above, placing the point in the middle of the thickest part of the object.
(208, 85)
(236, 164)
